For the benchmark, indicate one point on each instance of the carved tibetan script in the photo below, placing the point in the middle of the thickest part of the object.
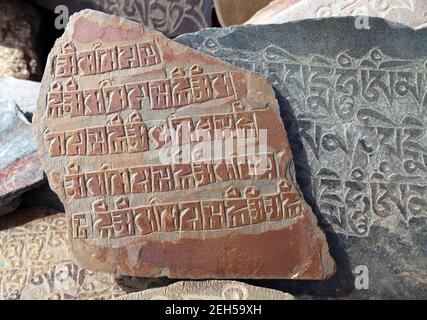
(357, 119)
(170, 162)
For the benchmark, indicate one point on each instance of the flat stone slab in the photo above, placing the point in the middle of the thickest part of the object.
(412, 13)
(172, 18)
(354, 106)
(208, 290)
(20, 167)
(170, 162)
(232, 12)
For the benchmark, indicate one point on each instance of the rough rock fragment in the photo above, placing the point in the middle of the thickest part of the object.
(208, 290)
(19, 25)
(20, 168)
(170, 162)
(36, 264)
(412, 13)
(354, 105)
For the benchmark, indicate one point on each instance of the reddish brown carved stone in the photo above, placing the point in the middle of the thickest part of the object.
(177, 165)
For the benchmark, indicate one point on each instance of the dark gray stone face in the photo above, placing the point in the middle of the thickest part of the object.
(171, 17)
(354, 103)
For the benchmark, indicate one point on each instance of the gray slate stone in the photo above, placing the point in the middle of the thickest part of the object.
(354, 103)
(20, 167)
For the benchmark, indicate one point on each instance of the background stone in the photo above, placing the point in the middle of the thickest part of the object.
(231, 12)
(23, 92)
(19, 24)
(268, 13)
(36, 264)
(20, 167)
(171, 17)
(409, 12)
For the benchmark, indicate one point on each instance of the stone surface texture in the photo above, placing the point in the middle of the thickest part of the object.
(354, 103)
(208, 290)
(137, 202)
(268, 13)
(19, 25)
(171, 17)
(36, 264)
(23, 92)
(412, 13)
(231, 12)
(20, 167)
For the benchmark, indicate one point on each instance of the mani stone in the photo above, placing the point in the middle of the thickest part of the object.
(20, 168)
(354, 103)
(36, 264)
(125, 126)
(269, 12)
(231, 12)
(171, 17)
(208, 290)
(412, 13)
(19, 27)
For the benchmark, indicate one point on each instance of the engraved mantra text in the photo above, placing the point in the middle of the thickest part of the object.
(369, 113)
(175, 92)
(163, 178)
(232, 212)
(118, 137)
(100, 60)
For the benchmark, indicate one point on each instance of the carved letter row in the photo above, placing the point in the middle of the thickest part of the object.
(118, 137)
(163, 178)
(175, 92)
(100, 60)
(204, 215)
